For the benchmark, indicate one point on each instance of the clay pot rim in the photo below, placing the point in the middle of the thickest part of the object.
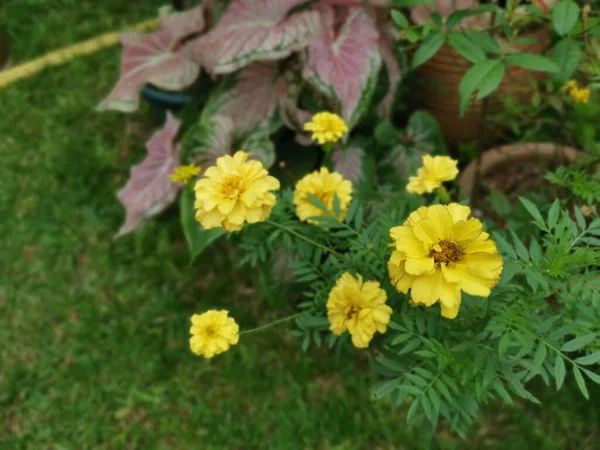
(514, 153)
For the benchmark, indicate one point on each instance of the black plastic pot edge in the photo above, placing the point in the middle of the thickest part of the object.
(163, 101)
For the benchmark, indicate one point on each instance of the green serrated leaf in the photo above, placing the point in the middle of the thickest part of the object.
(559, 371)
(519, 247)
(581, 382)
(588, 360)
(466, 47)
(429, 47)
(532, 62)
(503, 344)
(399, 19)
(540, 356)
(579, 217)
(578, 343)
(566, 54)
(564, 16)
(532, 209)
(535, 251)
(592, 376)
(504, 245)
(553, 214)
(482, 74)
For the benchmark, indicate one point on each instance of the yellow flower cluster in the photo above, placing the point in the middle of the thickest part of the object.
(233, 192)
(435, 170)
(326, 127)
(439, 252)
(183, 174)
(213, 332)
(358, 307)
(324, 186)
(578, 94)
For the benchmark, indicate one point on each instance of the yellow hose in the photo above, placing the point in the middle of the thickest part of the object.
(63, 55)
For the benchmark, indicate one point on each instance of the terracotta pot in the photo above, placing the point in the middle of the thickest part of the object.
(441, 77)
(529, 158)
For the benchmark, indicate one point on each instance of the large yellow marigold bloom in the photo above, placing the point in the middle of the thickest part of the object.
(323, 185)
(326, 127)
(358, 307)
(441, 252)
(435, 170)
(213, 332)
(233, 192)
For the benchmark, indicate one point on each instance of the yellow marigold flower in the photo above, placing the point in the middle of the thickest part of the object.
(581, 95)
(440, 252)
(326, 127)
(578, 94)
(183, 174)
(358, 307)
(233, 192)
(569, 85)
(213, 332)
(432, 174)
(323, 185)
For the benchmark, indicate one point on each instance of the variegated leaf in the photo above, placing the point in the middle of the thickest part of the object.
(294, 118)
(254, 99)
(209, 139)
(421, 14)
(261, 148)
(149, 189)
(158, 58)
(394, 73)
(255, 30)
(348, 162)
(358, 2)
(344, 63)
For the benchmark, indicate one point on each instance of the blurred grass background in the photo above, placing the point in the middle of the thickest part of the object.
(93, 331)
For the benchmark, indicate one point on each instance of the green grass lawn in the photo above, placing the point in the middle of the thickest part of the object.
(93, 331)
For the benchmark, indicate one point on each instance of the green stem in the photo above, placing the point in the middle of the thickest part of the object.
(444, 195)
(285, 319)
(306, 239)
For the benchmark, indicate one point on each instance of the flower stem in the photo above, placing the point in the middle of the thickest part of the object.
(306, 239)
(270, 324)
(443, 195)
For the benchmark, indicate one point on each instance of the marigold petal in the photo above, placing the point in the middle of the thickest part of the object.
(459, 212)
(450, 312)
(427, 289)
(419, 266)
(450, 295)
(466, 231)
(479, 246)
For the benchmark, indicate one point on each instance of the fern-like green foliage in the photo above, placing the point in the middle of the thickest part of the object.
(540, 321)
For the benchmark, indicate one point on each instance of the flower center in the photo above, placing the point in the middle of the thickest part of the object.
(210, 331)
(446, 252)
(232, 187)
(352, 311)
(323, 196)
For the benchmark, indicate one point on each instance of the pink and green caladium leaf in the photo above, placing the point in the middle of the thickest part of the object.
(255, 30)
(159, 58)
(149, 189)
(348, 162)
(208, 140)
(260, 147)
(294, 118)
(343, 63)
(358, 2)
(254, 99)
(394, 73)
